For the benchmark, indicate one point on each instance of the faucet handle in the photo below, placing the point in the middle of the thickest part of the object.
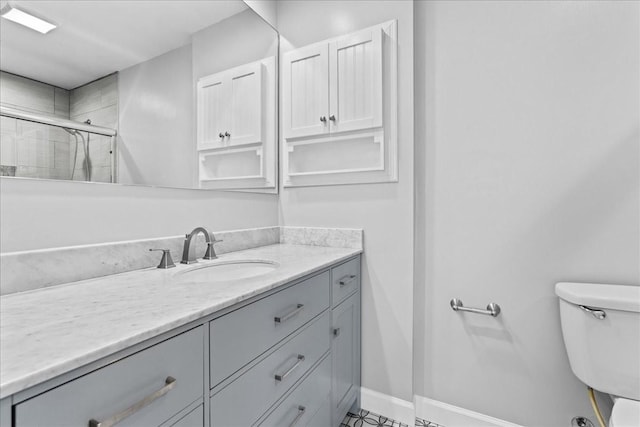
(211, 252)
(166, 261)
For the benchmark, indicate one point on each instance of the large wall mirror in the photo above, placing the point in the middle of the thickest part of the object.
(171, 93)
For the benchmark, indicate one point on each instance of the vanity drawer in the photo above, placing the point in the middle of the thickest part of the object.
(322, 417)
(259, 387)
(301, 407)
(345, 280)
(242, 335)
(108, 391)
(195, 418)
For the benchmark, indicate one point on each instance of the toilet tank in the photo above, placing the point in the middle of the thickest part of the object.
(604, 353)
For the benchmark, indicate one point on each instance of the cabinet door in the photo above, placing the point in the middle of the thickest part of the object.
(306, 91)
(245, 105)
(212, 111)
(355, 87)
(345, 354)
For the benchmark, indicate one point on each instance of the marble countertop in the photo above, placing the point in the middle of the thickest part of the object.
(48, 332)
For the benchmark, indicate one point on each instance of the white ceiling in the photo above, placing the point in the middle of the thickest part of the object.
(97, 37)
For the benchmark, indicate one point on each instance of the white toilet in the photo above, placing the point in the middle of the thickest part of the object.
(601, 330)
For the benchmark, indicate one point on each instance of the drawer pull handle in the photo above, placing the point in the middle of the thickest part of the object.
(282, 319)
(169, 383)
(279, 377)
(347, 279)
(301, 411)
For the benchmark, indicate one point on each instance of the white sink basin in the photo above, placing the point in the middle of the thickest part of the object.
(225, 271)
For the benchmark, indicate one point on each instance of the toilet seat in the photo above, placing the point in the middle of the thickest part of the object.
(625, 413)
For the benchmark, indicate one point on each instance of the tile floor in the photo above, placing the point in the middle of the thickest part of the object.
(366, 418)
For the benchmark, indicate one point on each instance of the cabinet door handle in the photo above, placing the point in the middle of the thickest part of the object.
(346, 280)
(169, 383)
(280, 377)
(221, 135)
(332, 118)
(282, 319)
(336, 332)
(323, 119)
(301, 411)
(227, 134)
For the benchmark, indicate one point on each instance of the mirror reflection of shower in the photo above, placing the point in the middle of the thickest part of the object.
(85, 146)
(49, 132)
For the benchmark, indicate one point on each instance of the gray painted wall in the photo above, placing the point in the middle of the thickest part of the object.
(237, 40)
(267, 9)
(48, 214)
(527, 134)
(156, 134)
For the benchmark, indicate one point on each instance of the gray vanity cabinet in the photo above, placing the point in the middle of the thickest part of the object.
(5, 412)
(309, 371)
(242, 335)
(259, 386)
(345, 356)
(169, 375)
(192, 419)
(288, 357)
(345, 346)
(306, 404)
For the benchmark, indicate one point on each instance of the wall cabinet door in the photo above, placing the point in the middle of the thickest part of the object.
(306, 91)
(212, 111)
(345, 355)
(355, 81)
(245, 105)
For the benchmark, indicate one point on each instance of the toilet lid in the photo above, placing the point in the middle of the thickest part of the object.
(625, 413)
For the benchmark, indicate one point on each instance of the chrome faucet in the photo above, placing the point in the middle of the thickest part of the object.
(188, 252)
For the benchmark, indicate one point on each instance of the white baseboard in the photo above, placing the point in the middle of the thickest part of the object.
(454, 416)
(389, 406)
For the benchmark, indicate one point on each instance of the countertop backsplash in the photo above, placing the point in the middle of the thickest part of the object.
(29, 270)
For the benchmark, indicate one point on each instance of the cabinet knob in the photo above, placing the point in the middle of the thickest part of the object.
(227, 134)
(332, 118)
(221, 135)
(323, 119)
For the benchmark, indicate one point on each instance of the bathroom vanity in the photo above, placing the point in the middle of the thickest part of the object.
(167, 347)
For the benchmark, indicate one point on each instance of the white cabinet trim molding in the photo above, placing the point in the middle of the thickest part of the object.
(340, 120)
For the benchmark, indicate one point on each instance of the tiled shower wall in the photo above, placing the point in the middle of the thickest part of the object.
(30, 149)
(96, 101)
(35, 150)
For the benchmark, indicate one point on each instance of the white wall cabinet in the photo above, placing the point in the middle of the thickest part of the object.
(339, 109)
(230, 107)
(334, 87)
(236, 127)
